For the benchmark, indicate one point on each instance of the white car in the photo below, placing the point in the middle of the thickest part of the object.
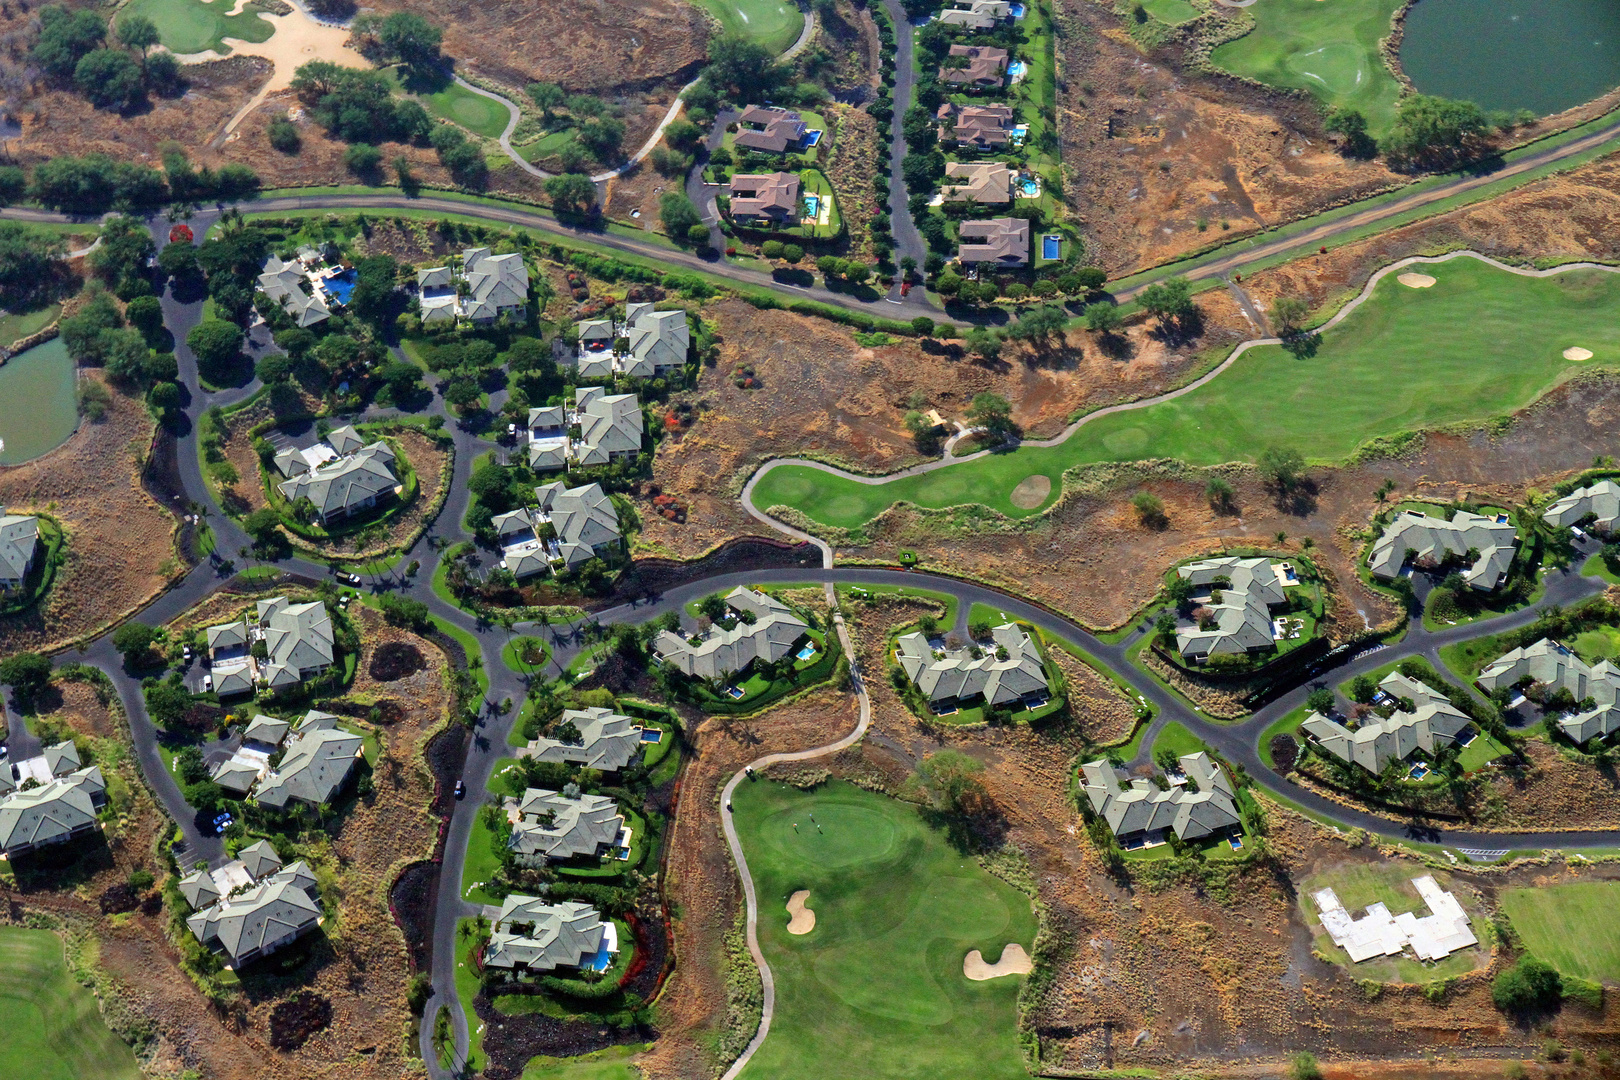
(208, 684)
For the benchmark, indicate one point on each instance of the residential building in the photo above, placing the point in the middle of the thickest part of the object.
(61, 806)
(530, 935)
(769, 129)
(549, 826)
(610, 426)
(999, 241)
(341, 477)
(319, 760)
(658, 343)
(583, 524)
(547, 436)
(1434, 724)
(762, 628)
(497, 285)
(976, 14)
(1429, 542)
(607, 741)
(983, 127)
(249, 763)
(1139, 812)
(1595, 688)
(248, 925)
(1240, 622)
(19, 544)
(1007, 671)
(253, 863)
(299, 645)
(765, 198)
(987, 182)
(985, 67)
(437, 289)
(1432, 937)
(284, 282)
(1599, 503)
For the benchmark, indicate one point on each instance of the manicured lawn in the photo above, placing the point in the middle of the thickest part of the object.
(53, 1026)
(1572, 927)
(1288, 724)
(1480, 343)
(1171, 11)
(609, 1064)
(1483, 750)
(482, 862)
(1176, 738)
(1596, 567)
(16, 327)
(775, 24)
(1330, 50)
(876, 989)
(1360, 884)
(466, 991)
(190, 26)
(455, 103)
(1600, 643)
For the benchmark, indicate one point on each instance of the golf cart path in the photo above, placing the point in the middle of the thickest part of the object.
(1141, 403)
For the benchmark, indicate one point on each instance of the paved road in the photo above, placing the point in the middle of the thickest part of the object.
(907, 241)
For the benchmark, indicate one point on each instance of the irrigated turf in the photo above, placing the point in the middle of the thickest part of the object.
(775, 24)
(1572, 927)
(876, 990)
(448, 100)
(191, 26)
(53, 1026)
(1480, 343)
(1329, 49)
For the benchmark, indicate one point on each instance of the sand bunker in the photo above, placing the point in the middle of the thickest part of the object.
(1031, 491)
(1014, 961)
(1575, 352)
(1416, 281)
(802, 920)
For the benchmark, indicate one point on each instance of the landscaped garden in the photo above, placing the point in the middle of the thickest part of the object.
(1358, 884)
(449, 100)
(54, 1029)
(1481, 343)
(877, 988)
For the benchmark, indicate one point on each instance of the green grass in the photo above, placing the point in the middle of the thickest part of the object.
(1360, 884)
(610, 1064)
(849, 592)
(1327, 49)
(509, 655)
(1596, 567)
(1572, 927)
(1600, 643)
(457, 104)
(53, 1026)
(191, 26)
(1173, 12)
(876, 989)
(775, 24)
(1480, 343)
(16, 327)
(1483, 750)
(1176, 738)
(482, 862)
(466, 991)
(1288, 724)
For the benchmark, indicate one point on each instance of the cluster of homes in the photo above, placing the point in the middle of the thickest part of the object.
(341, 476)
(761, 628)
(48, 799)
(769, 199)
(1421, 718)
(647, 344)
(251, 906)
(1233, 599)
(1006, 672)
(19, 545)
(1196, 803)
(299, 644)
(564, 530)
(309, 285)
(1594, 689)
(317, 759)
(479, 290)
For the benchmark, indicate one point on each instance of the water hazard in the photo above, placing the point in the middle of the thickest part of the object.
(37, 407)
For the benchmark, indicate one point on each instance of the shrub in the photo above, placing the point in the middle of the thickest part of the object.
(283, 134)
(1304, 1067)
(1527, 987)
(771, 249)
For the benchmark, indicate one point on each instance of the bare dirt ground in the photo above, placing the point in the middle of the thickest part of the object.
(638, 190)
(120, 543)
(854, 163)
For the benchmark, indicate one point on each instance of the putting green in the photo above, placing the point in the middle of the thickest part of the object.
(1482, 342)
(876, 990)
(53, 1026)
(193, 26)
(775, 24)
(451, 101)
(1328, 47)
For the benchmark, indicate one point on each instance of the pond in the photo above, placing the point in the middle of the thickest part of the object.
(37, 407)
(1542, 55)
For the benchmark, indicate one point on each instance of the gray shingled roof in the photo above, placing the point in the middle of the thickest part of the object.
(986, 66)
(1558, 668)
(610, 425)
(770, 129)
(976, 14)
(1599, 501)
(585, 825)
(1243, 617)
(659, 340)
(1141, 807)
(1433, 725)
(272, 913)
(983, 126)
(52, 811)
(352, 482)
(770, 637)
(1004, 241)
(319, 758)
(954, 675)
(19, 542)
(531, 934)
(765, 195)
(299, 638)
(608, 741)
(1429, 540)
(584, 518)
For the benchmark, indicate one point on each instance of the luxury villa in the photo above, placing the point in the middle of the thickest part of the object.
(977, 14)
(19, 544)
(1430, 937)
(1430, 542)
(568, 528)
(316, 761)
(1008, 671)
(548, 826)
(607, 741)
(1140, 812)
(1598, 503)
(61, 804)
(988, 183)
(1240, 622)
(765, 198)
(984, 67)
(1000, 242)
(610, 429)
(530, 935)
(298, 640)
(657, 344)
(983, 127)
(1594, 688)
(496, 285)
(770, 130)
(341, 477)
(762, 628)
(305, 287)
(251, 906)
(1433, 724)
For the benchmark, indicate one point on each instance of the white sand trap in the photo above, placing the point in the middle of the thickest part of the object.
(1014, 961)
(802, 919)
(1575, 352)
(1031, 491)
(1416, 281)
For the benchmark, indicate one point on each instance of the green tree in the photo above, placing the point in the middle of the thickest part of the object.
(27, 673)
(1282, 466)
(1149, 508)
(1320, 701)
(283, 134)
(550, 97)
(983, 343)
(411, 38)
(1102, 316)
(950, 779)
(363, 160)
(992, 413)
(1040, 323)
(602, 136)
(166, 701)
(216, 344)
(110, 79)
(1304, 1067)
(571, 192)
(1289, 313)
(678, 214)
(923, 325)
(28, 263)
(1170, 300)
(145, 313)
(1436, 133)
(1363, 688)
(1352, 125)
(262, 524)
(65, 37)
(138, 32)
(1530, 986)
(1219, 493)
(743, 69)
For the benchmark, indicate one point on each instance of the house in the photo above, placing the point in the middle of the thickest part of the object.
(597, 339)
(1434, 723)
(62, 804)
(319, 759)
(1429, 542)
(19, 544)
(436, 287)
(529, 935)
(497, 285)
(607, 741)
(983, 127)
(765, 198)
(763, 628)
(250, 761)
(1241, 621)
(550, 826)
(976, 14)
(283, 282)
(251, 924)
(978, 67)
(610, 426)
(1594, 688)
(988, 182)
(548, 438)
(583, 524)
(1001, 241)
(769, 129)
(657, 343)
(1599, 502)
(1140, 812)
(1432, 937)
(1006, 672)
(340, 477)
(299, 645)
(253, 863)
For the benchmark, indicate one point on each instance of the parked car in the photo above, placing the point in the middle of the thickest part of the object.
(185, 654)
(208, 684)
(461, 790)
(348, 578)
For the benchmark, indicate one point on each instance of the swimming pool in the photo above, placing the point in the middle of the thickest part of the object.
(1029, 187)
(1016, 70)
(1020, 132)
(807, 652)
(341, 286)
(811, 138)
(652, 735)
(1018, 11)
(1051, 246)
(812, 205)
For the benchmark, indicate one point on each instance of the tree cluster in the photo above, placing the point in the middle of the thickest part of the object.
(73, 48)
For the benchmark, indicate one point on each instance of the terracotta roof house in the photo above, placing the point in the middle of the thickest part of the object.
(983, 127)
(985, 68)
(1556, 667)
(610, 426)
(299, 642)
(1599, 503)
(1434, 724)
(319, 760)
(1007, 670)
(498, 284)
(346, 482)
(987, 182)
(1002, 241)
(60, 808)
(607, 741)
(976, 14)
(19, 543)
(768, 197)
(1241, 622)
(254, 923)
(769, 129)
(723, 651)
(1140, 812)
(1430, 542)
(530, 935)
(553, 826)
